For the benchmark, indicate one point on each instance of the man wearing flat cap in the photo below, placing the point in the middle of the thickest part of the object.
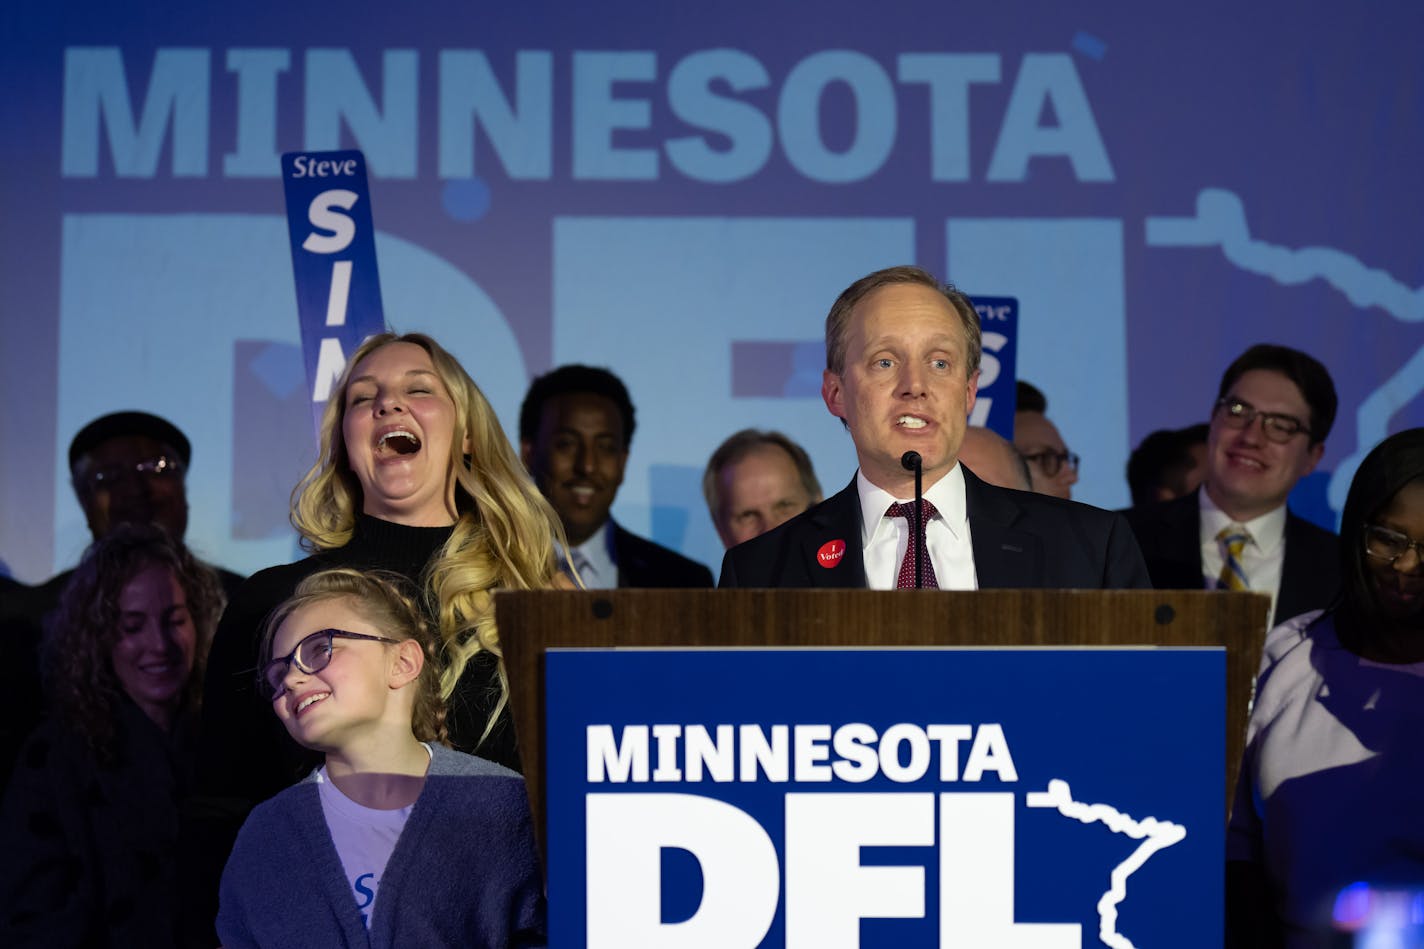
(128, 468)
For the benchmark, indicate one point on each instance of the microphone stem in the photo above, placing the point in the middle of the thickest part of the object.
(920, 550)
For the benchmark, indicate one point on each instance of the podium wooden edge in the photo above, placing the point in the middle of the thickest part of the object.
(532, 622)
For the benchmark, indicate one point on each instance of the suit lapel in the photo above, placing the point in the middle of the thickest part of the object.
(836, 520)
(1308, 577)
(1004, 557)
(625, 562)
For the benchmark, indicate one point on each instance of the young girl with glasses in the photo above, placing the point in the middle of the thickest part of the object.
(397, 840)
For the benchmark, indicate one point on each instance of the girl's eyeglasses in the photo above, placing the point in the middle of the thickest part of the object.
(311, 656)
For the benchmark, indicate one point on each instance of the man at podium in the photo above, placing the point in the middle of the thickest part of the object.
(902, 370)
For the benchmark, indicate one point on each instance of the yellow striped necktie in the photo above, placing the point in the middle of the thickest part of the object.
(1233, 539)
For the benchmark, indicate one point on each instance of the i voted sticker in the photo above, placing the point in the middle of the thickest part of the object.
(831, 553)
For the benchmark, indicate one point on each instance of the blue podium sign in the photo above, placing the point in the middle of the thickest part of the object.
(1044, 798)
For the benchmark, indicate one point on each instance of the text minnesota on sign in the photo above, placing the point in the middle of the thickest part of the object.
(853, 752)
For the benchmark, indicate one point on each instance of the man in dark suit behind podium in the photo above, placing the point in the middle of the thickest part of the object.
(902, 371)
(1274, 408)
(575, 429)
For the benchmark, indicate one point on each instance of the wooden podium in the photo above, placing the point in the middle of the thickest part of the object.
(532, 622)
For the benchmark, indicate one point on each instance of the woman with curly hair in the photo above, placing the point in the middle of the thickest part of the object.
(91, 813)
(415, 476)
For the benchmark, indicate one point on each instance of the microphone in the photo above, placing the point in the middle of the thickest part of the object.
(911, 461)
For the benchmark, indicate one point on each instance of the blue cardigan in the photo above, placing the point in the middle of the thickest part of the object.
(463, 873)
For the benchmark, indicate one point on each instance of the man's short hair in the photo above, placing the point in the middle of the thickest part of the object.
(838, 320)
(569, 380)
(1308, 373)
(1009, 470)
(126, 425)
(1163, 459)
(1029, 398)
(741, 444)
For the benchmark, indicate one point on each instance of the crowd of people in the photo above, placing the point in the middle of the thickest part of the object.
(292, 759)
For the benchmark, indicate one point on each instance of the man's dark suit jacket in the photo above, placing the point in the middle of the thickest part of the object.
(1170, 536)
(644, 564)
(1021, 541)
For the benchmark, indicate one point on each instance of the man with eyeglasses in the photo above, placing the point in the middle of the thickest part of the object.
(1274, 409)
(1053, 469)
(128, 468)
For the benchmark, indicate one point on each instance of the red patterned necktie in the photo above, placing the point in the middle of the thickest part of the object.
(906, 579)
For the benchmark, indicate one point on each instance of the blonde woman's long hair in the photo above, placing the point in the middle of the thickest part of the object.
(505, 530)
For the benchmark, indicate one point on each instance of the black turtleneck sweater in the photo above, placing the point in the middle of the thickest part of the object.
(246, 750)
(246, 755)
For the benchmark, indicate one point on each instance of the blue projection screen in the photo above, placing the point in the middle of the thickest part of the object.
(679, 192)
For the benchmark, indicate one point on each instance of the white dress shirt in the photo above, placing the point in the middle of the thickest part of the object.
(1261, 558)
(884, 540)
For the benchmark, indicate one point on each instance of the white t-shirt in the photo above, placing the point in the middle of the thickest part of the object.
(365, 838)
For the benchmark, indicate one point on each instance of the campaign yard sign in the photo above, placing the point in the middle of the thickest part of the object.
(826, 798)
(333, 241)
(998, 364)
